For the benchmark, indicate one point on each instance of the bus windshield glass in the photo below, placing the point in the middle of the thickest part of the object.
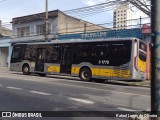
(17, 53)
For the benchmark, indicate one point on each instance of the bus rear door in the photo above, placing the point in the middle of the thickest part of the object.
(66, 59)
(40, 59)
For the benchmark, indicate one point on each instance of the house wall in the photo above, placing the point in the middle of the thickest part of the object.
(70, 25)
(32, 35)
(5, 52)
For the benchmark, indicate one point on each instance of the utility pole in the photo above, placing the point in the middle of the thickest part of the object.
(0, 28)
(155, 57)
(46, 22)
(140, 21)
(85, 27)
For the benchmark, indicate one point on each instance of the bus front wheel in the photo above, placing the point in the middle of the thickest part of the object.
(25, 69)
(85, 74)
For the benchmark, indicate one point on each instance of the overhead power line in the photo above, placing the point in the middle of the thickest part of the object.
(107, 6)
(94, 9)
(142, 6)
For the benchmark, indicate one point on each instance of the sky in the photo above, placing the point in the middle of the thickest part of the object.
(16, 8)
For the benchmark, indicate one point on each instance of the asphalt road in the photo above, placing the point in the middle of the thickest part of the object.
(33, 93)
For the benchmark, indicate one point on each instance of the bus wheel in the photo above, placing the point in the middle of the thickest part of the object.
(85, 74)
(42, 74)
(25, 69)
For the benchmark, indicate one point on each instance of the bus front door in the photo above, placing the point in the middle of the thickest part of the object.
(40, 60)
(66, 59)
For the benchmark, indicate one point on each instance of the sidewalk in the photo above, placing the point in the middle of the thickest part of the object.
(4, 69)
(132, 83)
(116, 82)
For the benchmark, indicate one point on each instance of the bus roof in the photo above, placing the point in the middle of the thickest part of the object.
(80, 41)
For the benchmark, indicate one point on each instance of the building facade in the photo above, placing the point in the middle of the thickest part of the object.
(4, 31)
(5, 51)
(31, 28)
(5, 46)
(122, 17)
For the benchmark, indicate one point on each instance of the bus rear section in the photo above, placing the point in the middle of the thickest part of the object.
(140, 60)
(104, 60)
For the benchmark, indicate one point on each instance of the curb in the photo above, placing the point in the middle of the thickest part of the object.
(127, 83)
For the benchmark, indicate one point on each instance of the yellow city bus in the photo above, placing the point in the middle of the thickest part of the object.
(114, 58)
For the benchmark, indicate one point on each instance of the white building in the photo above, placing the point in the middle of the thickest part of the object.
(5, 46)
(5, 51)
(122, 17)
(31, 28)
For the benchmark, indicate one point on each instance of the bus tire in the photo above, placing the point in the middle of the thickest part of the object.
(85, 74)
(25, 69)
(42, 74)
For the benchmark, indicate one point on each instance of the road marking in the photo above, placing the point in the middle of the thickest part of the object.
(81, 100)
(62, 84)
(92, 88)
(127, 109)
(41, 93)
(15, 88)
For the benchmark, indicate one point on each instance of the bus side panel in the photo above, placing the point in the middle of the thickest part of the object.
(75, 70)
(120, 59)
(52, 68)
(16, 67)
(141, 65)
(122, 72)
(105, 72)
(97, 71)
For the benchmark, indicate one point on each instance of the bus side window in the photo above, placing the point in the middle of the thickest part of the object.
(18, 52)
(27, 53)
(120, 53)
(53, 54)
(57, 54)
(15, 54)
(103, 51)
(49, 54)
(33, 53)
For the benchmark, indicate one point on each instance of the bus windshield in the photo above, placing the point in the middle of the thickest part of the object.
(17, 53)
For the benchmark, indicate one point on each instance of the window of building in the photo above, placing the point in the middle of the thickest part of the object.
(40, 29)
(23, 31)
